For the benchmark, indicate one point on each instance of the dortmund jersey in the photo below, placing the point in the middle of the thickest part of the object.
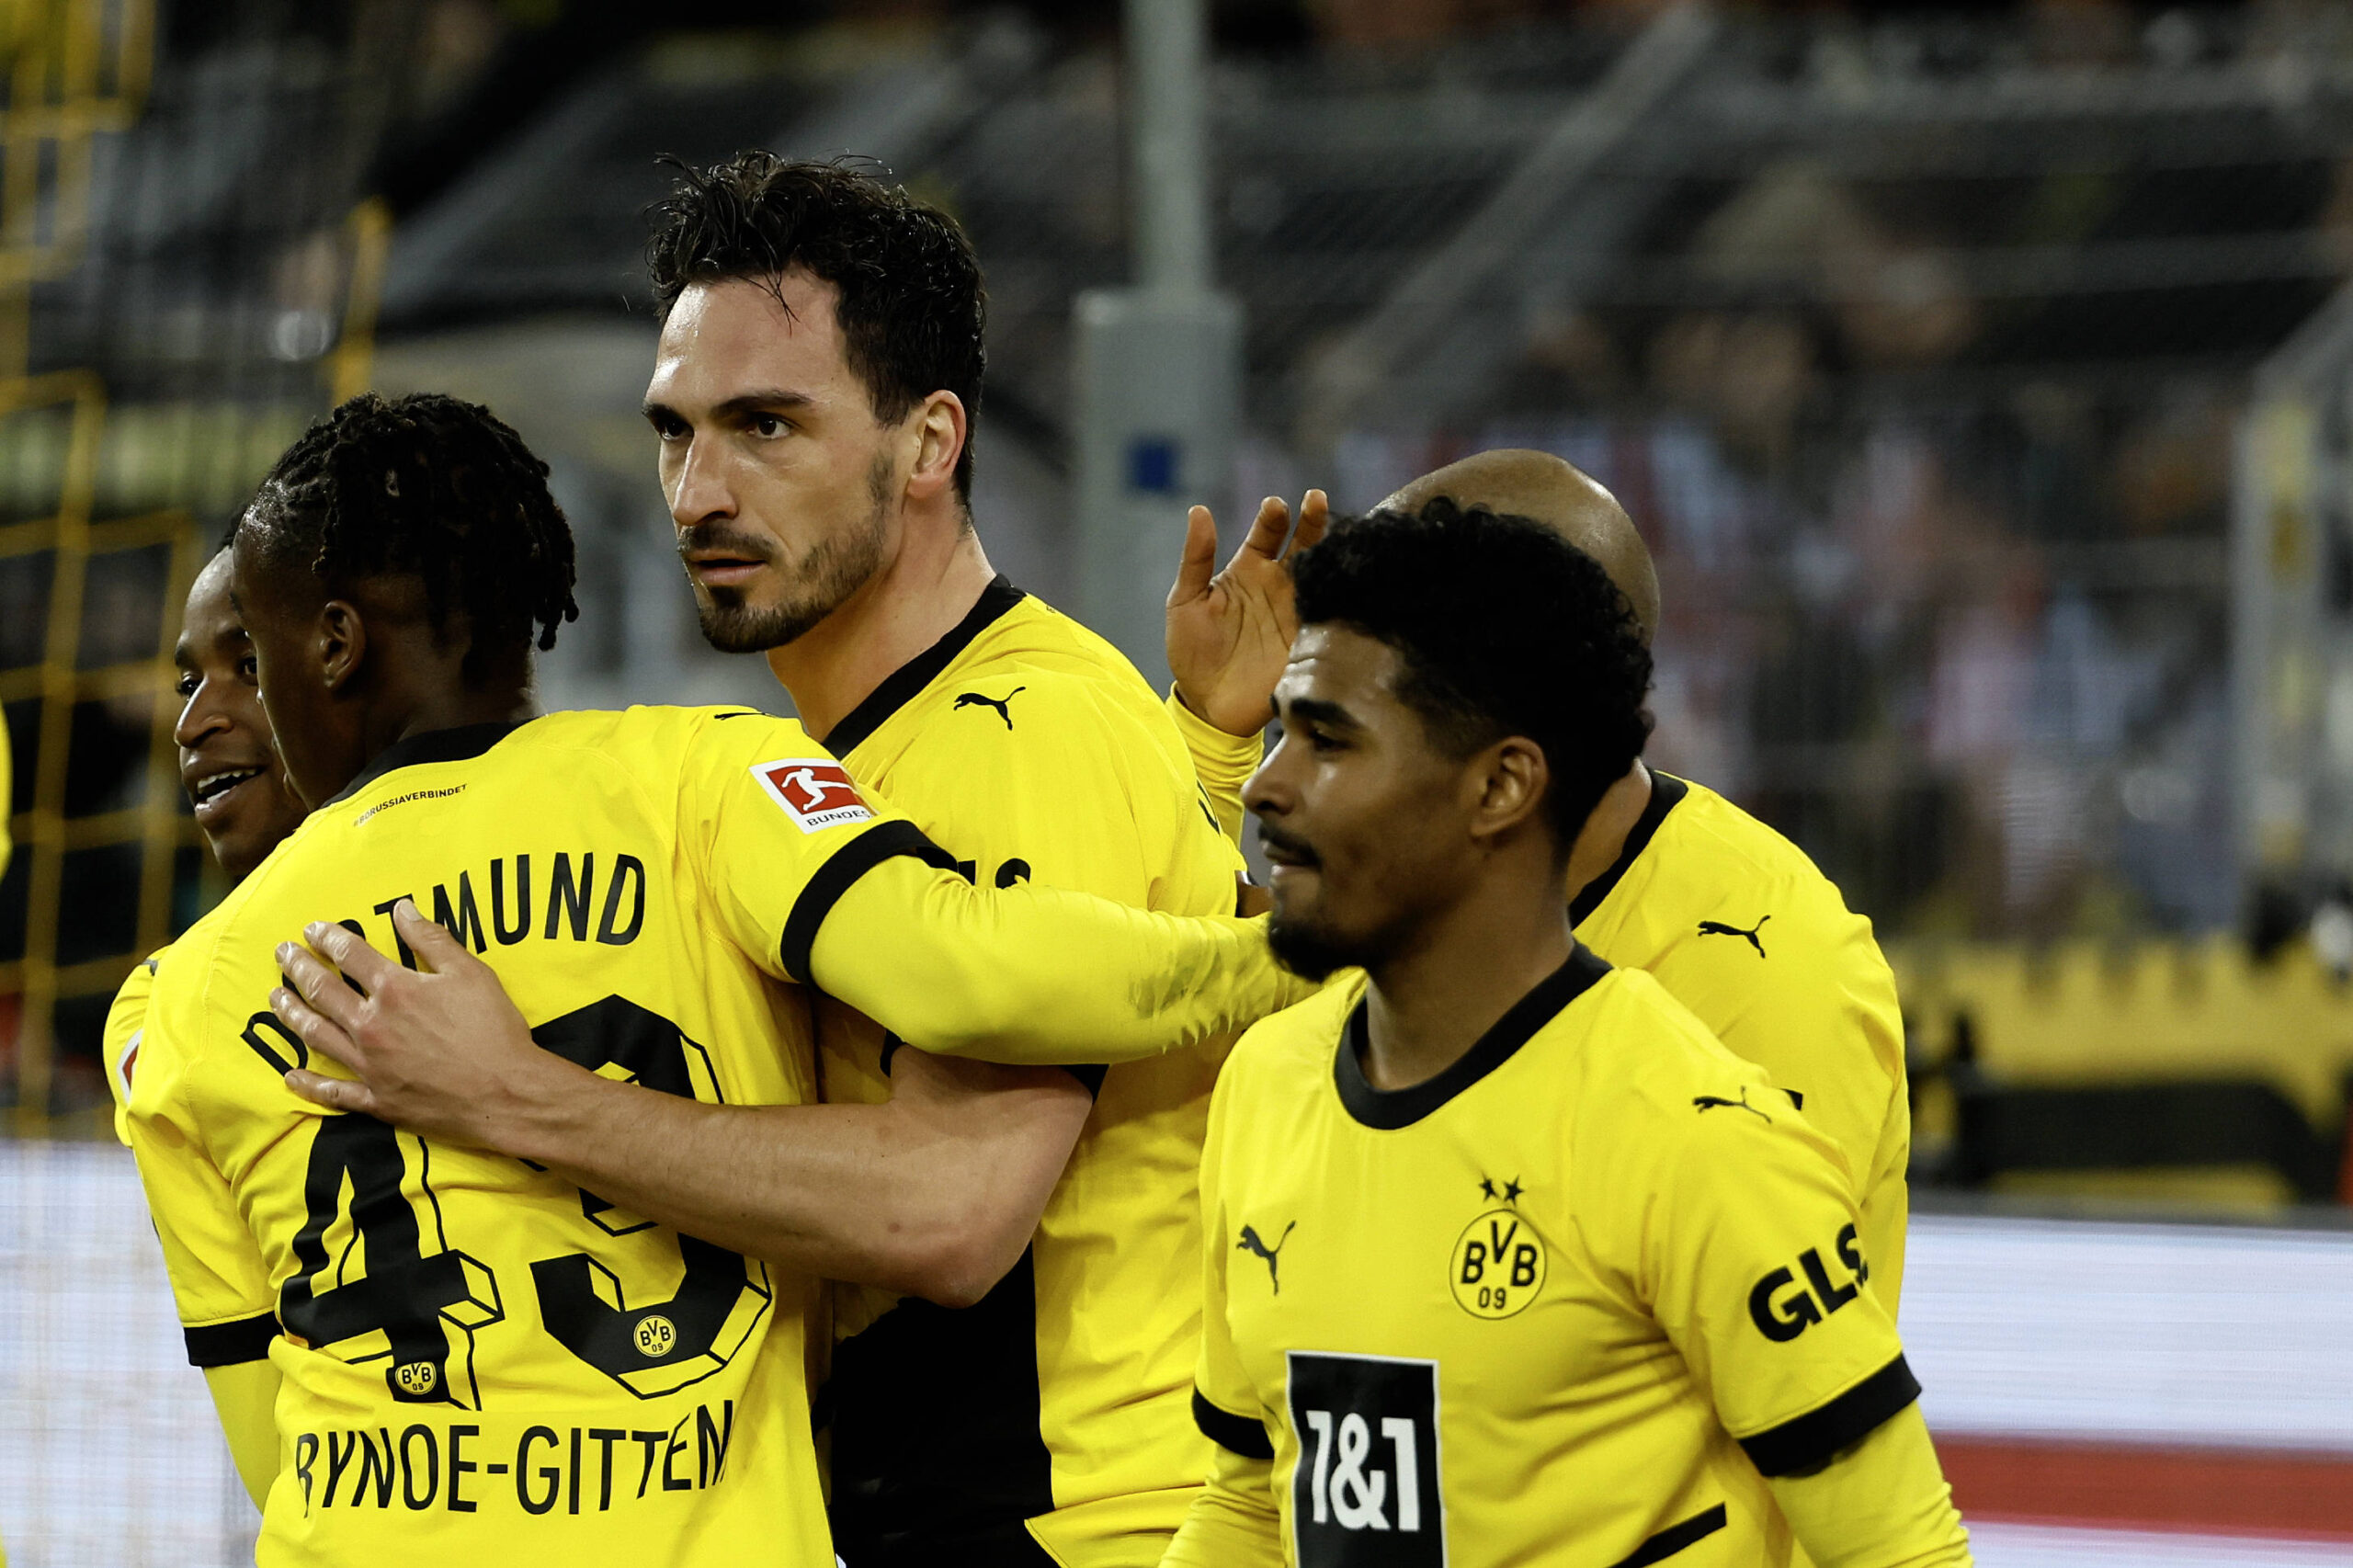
(1059, 1406)
(481, 1361)
(1741, 927)
(119, 1044)
(1566, 1302)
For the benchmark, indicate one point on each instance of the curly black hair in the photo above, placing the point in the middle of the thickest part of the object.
(431, 487)
(912, 307)
(1501, 628)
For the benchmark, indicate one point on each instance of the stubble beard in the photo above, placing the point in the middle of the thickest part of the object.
(1312, 949)
(825, 577)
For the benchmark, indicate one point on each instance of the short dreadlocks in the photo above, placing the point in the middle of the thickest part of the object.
(431, 487)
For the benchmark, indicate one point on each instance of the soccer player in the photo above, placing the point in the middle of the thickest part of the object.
(474, 1356)
(233, 778)
(1667, 876)
(1507, 1259)
(817, 377)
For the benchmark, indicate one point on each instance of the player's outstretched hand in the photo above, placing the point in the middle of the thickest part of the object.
(438, 1050)
(1230, 633)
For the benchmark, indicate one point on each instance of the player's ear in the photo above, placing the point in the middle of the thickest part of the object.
(940, 429)
(341, 642)
(1512, 777)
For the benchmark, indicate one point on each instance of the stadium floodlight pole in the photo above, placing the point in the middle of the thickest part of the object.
(1157, 370)
(1169, 183)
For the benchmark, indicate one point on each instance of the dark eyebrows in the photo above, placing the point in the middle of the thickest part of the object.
(770, 399)
(1316, 711)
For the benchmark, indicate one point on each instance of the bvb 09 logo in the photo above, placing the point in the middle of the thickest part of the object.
(655, 1335)
(1498, 1265)
(417, 1377)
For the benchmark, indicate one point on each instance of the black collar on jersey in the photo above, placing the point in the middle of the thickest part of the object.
(1389, 1109)
(460, 745)
(1666, 793)
(903, 684)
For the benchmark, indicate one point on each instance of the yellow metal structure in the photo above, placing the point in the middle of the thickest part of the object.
(70, 71)
(73, 69)
(2089, 1013)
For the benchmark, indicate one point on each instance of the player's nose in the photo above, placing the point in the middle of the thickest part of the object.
(701, 490)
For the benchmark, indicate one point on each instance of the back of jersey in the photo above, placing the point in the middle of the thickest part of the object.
(481, 1361)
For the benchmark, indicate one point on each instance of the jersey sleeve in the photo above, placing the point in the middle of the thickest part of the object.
(119, 1046)
(1814, 1002)
(1748, 1256)
(1886, 1502)
(1031, 975)
(819, 884)
(1222, 763)
(219, 1281)
(777, 829)
(1087, 792)
(1234, 1519)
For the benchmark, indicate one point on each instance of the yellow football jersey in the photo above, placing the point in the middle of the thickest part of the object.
(1059, 1405)
(119, 1044)
(1741, 927)
(480, 1361)
(1567, 1302)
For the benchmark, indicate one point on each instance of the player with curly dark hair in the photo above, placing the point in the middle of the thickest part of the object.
(815, 390)
(815, 379)
(1554, 1277)
(652, 883)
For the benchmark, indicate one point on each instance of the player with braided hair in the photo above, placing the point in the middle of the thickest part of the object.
(424, 1350)
(429, 486)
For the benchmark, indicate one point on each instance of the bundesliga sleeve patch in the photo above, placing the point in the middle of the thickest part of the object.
(815, 793)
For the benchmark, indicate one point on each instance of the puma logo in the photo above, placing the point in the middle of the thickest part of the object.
(1705, 1103)
(1718, 928)
(1003, 705)
(1257, 1248)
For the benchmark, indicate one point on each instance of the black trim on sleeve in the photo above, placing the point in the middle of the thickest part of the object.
(1666, 793)
(903, 684)
(232, 1344)
(461, 744)
(884, 841)
(1810, 1441)
(1389, 1109)
(1090, 1074)
(1235, 1434)
(1673, 1538)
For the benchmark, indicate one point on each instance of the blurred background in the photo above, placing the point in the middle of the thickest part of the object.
(1978, 376)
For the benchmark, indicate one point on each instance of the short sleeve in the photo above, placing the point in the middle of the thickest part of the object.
(1812, 1002)
(1751, 1261)
(779, 830)
(219, 1281)
(126, 1027)
(1225, 1405)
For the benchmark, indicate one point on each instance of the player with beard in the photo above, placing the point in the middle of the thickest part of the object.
(1667, 877)
(815, 385)
(531, 1372)
(1506, 1258)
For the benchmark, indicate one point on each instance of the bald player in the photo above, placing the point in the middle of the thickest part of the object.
(1666, 876)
